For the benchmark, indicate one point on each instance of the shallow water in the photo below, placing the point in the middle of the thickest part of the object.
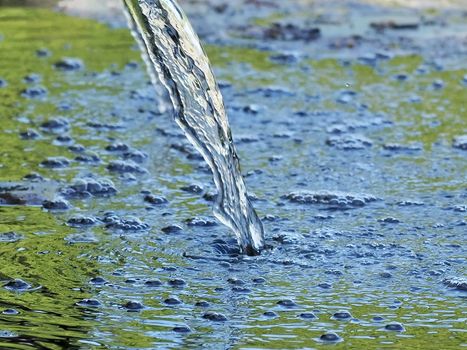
(378, 244)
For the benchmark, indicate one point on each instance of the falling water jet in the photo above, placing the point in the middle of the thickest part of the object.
(175, 58)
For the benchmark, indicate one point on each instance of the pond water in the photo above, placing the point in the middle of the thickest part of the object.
(351, 142)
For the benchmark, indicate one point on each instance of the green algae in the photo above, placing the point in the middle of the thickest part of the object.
(25, 31)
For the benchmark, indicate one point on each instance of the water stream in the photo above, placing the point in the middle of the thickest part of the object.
(175, 57)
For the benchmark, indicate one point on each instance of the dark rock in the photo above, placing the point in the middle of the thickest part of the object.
(129, 223)
(214, 316)
(32, 78)
(270, 314)
(29, 134)
(155, 200)
(10, 237)
(177, 282)
(203, 222)
(342, 315)
(389, 221)
(336, 200)
(88, 186)
(133, 306)
(393, 25)
(98, 280)
(395, 147)
(34, 92)
(330, 338)
(10, 312)
(117, 147)
(89, 157)
(76, 148)
(259, 280)
(81, 220)
(17, 285)
(89, 303)
(136, 156)
(349, 142)
(153, 283)
(43, 53)
(55, 162)
(120, 166)
(394, 327)
(288, 32)
(69, 64)
(202, 303)
(172, 301)
(459, 283)
(307, 315)
(460, 142)
(172, 229)
(56, 204)
(287, 303)
(378, 319)
(3, 83)
(56, 125)
(192, 188)
(33, 177)
(181, 329)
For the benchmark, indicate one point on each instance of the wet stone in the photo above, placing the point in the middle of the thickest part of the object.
(271, 314)
(80, 220)
(56, 204)
(288, 32)
(63, 140)
(202, 222)
(214, 316)
(342, 315)
(33, 177)
(177, 282)
(389, 220)
(89, 303)
(287, 303)
(10, 237)
(172, 301)
(120, 166)
(84, 237)
(192, 188)
(172, 229)
(330, 338)
(133, 306)
(32, 78)
(55, 125)
(98, 280)
(55, 162)
(69, 64)
(34, 92)
(2, 83)
(43, 53)
(458, 283)
(202, 303)
(155, 200)
(129, 223)
(394, 327)
(336, 200)
(385, 275)
(396, 147)
(136, 156)
(181, 329)
(17, 285)
(76, 148)
(117, 147)
(89, 157)
(349, 142)
(29, 134)
(259, 280)
(153, 283)
(88, 186)
(235, 282)
(10, 312)
(460, 142)
(307, 315)
(378, 319)
(241, 290)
